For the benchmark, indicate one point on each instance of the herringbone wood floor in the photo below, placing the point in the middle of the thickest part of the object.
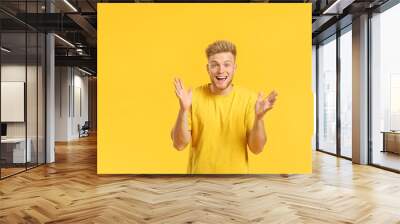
(69, 191)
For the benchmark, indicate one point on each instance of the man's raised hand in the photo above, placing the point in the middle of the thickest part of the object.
(185, 97)
(264, 105)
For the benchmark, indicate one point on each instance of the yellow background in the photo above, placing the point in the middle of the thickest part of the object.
(142, 47)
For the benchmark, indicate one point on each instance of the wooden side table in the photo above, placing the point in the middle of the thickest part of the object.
(391, 141)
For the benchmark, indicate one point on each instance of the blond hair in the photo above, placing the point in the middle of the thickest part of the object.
(220, 46)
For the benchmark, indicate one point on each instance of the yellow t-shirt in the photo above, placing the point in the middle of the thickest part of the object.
(219, 125)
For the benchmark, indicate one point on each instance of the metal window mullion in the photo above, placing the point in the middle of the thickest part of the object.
(73, 91)
(338, 98)
(317, 96)
(26, 87)
(45, 94)
(37, 91)
(369, 89)
(0, 94)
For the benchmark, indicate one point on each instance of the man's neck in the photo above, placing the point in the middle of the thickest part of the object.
(216, 91)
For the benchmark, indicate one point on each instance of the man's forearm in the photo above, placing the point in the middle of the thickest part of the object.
(180, 134)
(257, 137)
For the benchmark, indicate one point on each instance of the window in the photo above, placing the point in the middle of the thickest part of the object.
(385, 88)
(327, 95)
(346, 93)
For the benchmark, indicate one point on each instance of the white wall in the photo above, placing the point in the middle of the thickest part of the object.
(81, 81)
(16, 73)
(62, 80)
(71, 93)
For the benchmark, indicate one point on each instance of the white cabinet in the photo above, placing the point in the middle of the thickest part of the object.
(18, 149)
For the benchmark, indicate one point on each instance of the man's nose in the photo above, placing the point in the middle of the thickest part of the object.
(221, 69)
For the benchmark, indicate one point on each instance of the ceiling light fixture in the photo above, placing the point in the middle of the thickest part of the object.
(64, 40)
(70, 5)
(337, 7)
(5, 50)
(84, 71)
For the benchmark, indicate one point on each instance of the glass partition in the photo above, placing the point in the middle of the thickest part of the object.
(22, 77)
(14, 153)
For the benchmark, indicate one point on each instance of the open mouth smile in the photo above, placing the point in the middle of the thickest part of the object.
(221, 78)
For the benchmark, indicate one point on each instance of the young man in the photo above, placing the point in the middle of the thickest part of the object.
(222, 120)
